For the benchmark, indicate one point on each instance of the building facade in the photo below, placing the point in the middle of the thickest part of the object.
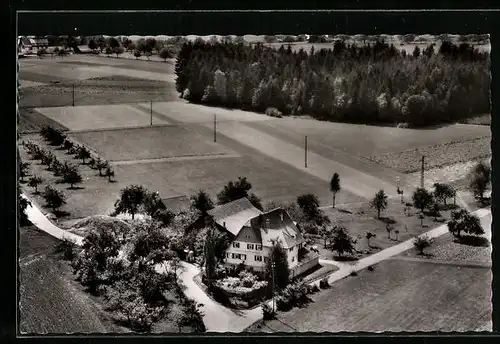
(254, 232)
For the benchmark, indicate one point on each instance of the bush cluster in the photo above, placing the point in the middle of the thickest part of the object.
(294, 295)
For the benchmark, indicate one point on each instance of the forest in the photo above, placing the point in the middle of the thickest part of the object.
(370, 84)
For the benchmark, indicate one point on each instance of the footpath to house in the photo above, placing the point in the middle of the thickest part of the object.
(218, 318)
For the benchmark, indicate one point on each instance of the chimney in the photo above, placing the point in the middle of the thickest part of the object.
(224, 224)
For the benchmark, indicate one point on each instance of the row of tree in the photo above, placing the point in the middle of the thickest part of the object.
(373, 83)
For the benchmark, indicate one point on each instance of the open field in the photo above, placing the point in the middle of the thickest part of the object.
(97, 117)
(99, 91)
(31, 120)
(270, 178)
(183, 112)
(49, 82)
(150, 143)
(397, 296)
(450, 153)
(367, 140)
(50, 301)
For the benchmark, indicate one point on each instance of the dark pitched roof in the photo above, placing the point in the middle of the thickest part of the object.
(277, 224)
(234, 215)
(177, 204)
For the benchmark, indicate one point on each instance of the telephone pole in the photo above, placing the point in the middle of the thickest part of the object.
(73, 94)
(215, 128)
(422, 173)
(151, 113)
(305, 152)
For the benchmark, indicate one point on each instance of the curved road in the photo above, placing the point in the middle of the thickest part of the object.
(218, 318)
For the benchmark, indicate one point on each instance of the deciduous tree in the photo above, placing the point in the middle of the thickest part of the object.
(131, 198)
(335, 186)
(54, 198)
(379, 202)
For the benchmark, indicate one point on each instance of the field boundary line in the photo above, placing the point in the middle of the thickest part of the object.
(173, 159)
(121, 128)
(444, 262)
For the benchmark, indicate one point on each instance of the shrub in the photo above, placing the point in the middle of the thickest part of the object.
(323, 284)
(267, 312)
(314, 288)
(371, 268)
(273, 112)
(353, 273)
(67, 248)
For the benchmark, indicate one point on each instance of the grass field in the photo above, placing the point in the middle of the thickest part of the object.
(97, 117)
(361, 218)
(150, 143)
(271, 179)
(50, 300)
(366, 140)
(468, 250)
(184, 112)
(49, 82)
(31, 120)
(397, 296)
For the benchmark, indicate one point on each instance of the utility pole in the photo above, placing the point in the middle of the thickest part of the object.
(151, 113)
(274, 284)
(73, 94)
(215, 128)
(305, 153)
(422, 173)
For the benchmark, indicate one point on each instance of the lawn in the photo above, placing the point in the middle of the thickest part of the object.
(150, 143)
(360, 219)
(397, 296)
(271, 179)
(50, 301)
(467, 250)
(95, 117)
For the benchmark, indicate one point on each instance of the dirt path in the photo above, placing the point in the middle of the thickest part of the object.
(175, 158)
(354, 181)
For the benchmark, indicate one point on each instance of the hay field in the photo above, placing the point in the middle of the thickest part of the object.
(397, 296)
(95, 117)
(150, 143)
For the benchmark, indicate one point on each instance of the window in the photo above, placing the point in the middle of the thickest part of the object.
(293, 259)
(236, 256)
(236, 244)
(233, 255)
(290, 249)
(258, 247)
(227, 255)
(258, 258)
(250, 246)
(243, 257)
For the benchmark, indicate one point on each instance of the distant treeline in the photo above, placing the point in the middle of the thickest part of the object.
(362, 84)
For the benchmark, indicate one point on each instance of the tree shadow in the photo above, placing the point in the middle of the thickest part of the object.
(76, 188)
(344, 258)
(472, 240)
(387, 220)
(345, 211)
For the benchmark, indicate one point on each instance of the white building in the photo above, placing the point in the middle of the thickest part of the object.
(252, 233)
